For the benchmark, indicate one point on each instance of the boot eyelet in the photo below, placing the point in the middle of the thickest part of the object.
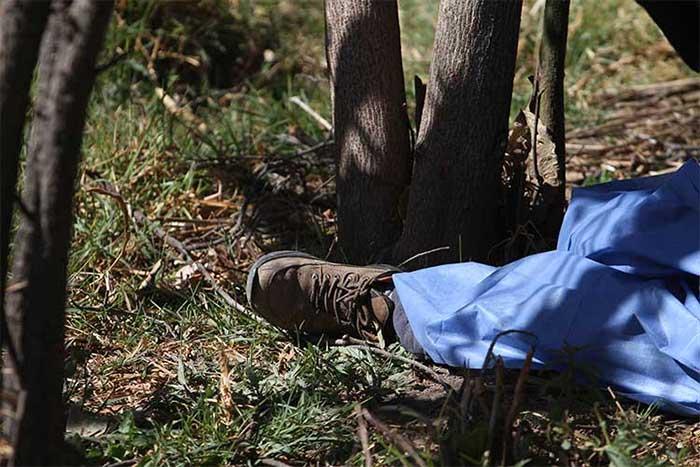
(314, 276)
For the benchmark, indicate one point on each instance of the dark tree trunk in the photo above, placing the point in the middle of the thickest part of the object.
(549, 211)
(455, 189)
(35, 307)
(370, 123)
(21, 26)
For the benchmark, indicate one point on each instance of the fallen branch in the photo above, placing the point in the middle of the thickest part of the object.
(655, 90)
(183, 113)
(394, 437)
(315, 115)
(515, 405)
(357, 343)
(274, 463)
(496, 406)
(140, 218)
(620, 122)
(362, 434)
(422, 254)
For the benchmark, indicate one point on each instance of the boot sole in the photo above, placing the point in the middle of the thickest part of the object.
(252, 274)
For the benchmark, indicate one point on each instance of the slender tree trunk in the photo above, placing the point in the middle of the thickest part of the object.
(455, 189)
(35, 310)
(21, 26)
(370, 123)
(549, 212)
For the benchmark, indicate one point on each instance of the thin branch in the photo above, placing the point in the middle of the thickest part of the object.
(274, 463)
(421, 254)
(171, 241)
(496, 406)
(362, 434)
(357, 343)
(124, 463)
(395, 438)
(515, 405)
(489, 353)
(315, 115)
(118, 57)
(183, 113)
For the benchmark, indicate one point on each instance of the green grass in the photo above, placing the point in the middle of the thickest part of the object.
(185, 380)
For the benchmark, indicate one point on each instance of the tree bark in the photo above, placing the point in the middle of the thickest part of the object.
(370, 123)
(36, 305)
(455, 189)
(549, 212)
(21, 26)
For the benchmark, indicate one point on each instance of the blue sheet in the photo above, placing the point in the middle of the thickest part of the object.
(622, 288)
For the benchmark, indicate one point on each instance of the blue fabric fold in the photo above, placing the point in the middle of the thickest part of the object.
(621, 290)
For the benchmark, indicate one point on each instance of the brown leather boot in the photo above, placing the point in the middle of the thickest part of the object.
(294, 290)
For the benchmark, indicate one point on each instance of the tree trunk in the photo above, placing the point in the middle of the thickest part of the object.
(455, 190)
(35, 310)
(21, 26)
(370, 123)
(549, 212)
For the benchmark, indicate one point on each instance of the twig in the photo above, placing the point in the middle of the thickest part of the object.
(208, 162)
(313, 148)
(515, 405)
(496, 406)
(183, 113)
(621, 122)
(656, 90)
(362, 434)
(140, 218)
(116, 58)
(394, 437)
(125, 212)
(315, 115)
(123, 463)
(225, 397)
(617, 402)
(274, 463)
(421, 254)
(489, 353)
(184, 220)
(357, 343)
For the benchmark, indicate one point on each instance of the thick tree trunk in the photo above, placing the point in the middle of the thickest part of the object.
(455, 190)
(35, 310)
(549, 212)
(21, 26)
(370, 123)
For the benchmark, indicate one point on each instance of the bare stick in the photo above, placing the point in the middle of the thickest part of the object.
(517, 398)
(362, 434)
(434, 375)
(496, 406)
(183, 113)
(315, 115)
(394, 437)
(422, 254)
(140, 218)
(274, 463)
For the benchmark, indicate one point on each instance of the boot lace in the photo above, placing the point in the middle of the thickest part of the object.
(346, 296)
